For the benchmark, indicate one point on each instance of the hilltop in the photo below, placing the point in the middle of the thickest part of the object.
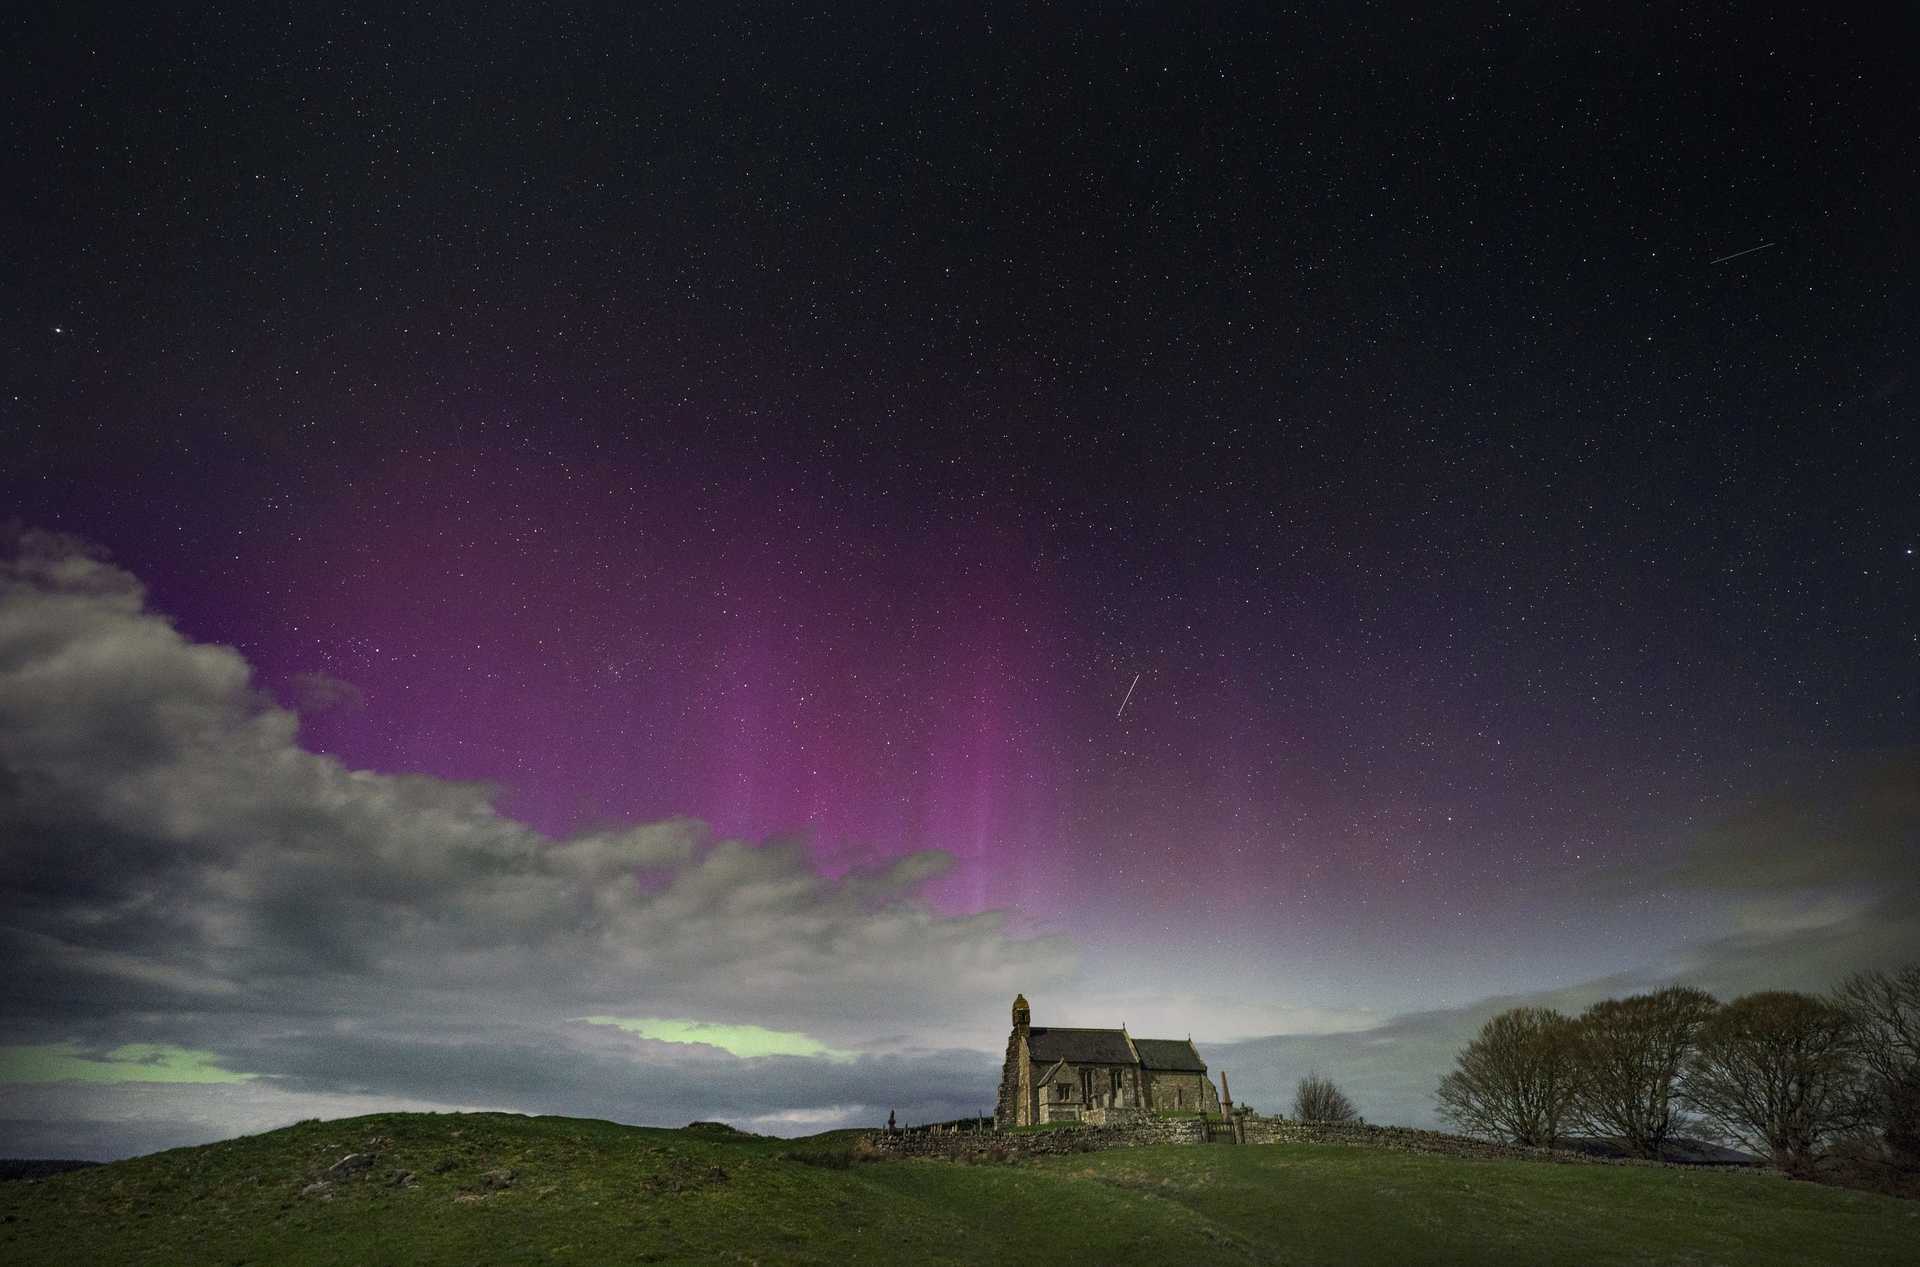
(485, 1188)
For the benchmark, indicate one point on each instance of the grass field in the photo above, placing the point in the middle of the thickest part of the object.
(493, 1188)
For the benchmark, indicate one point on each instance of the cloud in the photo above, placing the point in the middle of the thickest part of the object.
(1823, 873)
(186, 892)
(180, 872)
(1201, 1012)
(1823, 877)
(1853, 822)
(103, 1122)
(808, 1121)
(323, 693)
(1391, 1069)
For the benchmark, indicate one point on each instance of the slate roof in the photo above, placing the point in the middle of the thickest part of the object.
(1169, 1055)
(1079, 1046)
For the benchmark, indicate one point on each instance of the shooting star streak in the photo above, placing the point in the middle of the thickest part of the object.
(1123, 703)
(1737, 254)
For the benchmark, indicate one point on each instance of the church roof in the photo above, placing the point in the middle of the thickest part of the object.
(1080, 1046)
(1112, 1047)
(1169, 1055)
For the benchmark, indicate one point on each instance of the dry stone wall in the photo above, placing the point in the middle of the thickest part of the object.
(1084, 1139)
(1275, 1130)
(1193, 1130)
(1280, 1130)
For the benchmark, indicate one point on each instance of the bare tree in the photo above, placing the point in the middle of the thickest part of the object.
(1885, 1007)
(1778, 1072)
(1516, 1080)
(1316, 1099)
(1629, 1052)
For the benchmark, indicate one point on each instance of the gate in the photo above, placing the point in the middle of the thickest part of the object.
(1220, 1133)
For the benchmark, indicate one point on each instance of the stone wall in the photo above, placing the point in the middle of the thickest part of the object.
(1143, 1130)
(1278, 1130)
(1082, 1139)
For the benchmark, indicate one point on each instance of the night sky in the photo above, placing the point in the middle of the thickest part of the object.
(716, 473)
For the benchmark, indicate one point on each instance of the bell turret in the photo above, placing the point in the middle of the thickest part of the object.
(1022, 1014)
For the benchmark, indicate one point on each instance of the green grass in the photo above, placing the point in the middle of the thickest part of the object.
(593, 1192)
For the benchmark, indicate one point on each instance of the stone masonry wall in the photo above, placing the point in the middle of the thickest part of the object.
(1084, 1139)
(1191, 1130)
(1200, 1093)
(1006, 1111)
(1280, 1130)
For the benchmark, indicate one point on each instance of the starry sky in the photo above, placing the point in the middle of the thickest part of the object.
(763, 447)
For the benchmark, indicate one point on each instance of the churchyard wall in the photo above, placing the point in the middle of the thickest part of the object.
(1135, 1130)
(1081, 1139)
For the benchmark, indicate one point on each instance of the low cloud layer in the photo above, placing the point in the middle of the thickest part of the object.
(210, 930)
(180, 872)
(1823, 877)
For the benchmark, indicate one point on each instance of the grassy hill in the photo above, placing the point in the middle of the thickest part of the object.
(466, 1189)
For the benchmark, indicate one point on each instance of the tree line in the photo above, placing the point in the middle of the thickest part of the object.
(1788, 1076)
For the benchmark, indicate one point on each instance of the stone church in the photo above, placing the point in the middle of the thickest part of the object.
(1095, 1075)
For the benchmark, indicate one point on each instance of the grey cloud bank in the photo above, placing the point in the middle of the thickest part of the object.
(176, 869)
(1824, 875)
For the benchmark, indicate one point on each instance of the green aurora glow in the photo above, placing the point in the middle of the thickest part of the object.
(740, 1040)
(134, 1062)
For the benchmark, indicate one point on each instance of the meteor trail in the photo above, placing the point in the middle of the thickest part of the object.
(1123, 703)
(1737, 254)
